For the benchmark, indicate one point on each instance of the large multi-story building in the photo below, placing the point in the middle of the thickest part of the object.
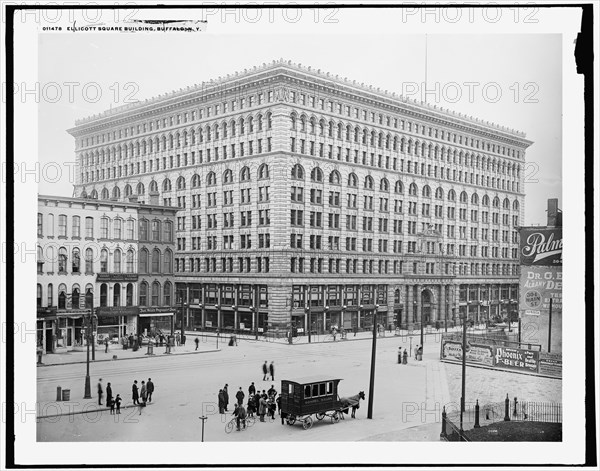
(107, 258)
(313, 200)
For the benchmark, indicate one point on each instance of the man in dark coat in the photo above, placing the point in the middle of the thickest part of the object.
(240, 397)
(108, 395)
(134, 393)
(252, 389)
(272, 371)
(221, 402)
(265, 370)
(197, 342)
(149, 389)
(226, 396)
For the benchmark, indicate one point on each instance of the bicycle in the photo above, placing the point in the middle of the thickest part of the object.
(247, 422)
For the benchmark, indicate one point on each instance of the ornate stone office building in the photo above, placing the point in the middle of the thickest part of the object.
(313, 200)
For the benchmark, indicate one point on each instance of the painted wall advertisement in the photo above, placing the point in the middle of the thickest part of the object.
(503, 358)
(539, 285)
(541, 246)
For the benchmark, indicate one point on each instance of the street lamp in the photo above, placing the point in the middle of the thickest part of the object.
(422, 340)
(87, 394)
(373, 351)
(307, 310)
(217, 307)
(464, 370)
(254, 321)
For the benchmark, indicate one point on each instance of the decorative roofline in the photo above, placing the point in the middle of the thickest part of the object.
(230, 79)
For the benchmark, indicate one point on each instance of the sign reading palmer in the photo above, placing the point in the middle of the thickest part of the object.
(541, 246)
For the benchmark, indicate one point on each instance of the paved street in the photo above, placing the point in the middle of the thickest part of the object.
(408, 399)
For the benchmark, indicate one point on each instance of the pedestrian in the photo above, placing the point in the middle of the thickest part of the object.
(272, 391)
(262, 408)
(197, 340)
(144, 393)
(272, 371)
(111, 403)
(252, 389)
(178, 339)
(420, 353)
(240, 396)
(272, 407)
(405, 357)
(226, 396)
(278, 401)
(265, 369)
(100, 392)
(250, 406)
(108, 394)
(416, 351)
(221, 402)
(118, 403)
(106, 344)
(149, 389)
(264, 395)
(134, 393)
(182, 338)
(130, 340)
(355, 329)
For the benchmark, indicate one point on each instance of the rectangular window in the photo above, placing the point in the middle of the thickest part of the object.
(89, 227)
(62, 225)
(76, 226)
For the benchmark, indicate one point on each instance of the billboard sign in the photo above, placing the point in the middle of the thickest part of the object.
(516, 359)
(541, 246)
(538, 286)
(476, 354)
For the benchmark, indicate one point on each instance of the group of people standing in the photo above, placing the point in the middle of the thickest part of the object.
(111, 401)
(145, 392)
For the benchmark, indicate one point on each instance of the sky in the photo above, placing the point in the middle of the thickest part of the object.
(514, 80)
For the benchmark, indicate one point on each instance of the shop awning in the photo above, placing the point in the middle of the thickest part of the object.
(155, 314)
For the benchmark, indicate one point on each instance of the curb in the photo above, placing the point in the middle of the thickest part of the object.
(89, 411)
(122, 359)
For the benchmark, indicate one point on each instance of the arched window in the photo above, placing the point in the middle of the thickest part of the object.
(506, 203)
(263, 172)
(297, 172)
(398, 187)
(143, 261)
(156, 261)
(50, 295)
(89, 261)
(143, 294)
(62, 260)
(116, 295)
(75, 260)
(116, 194)
(167, 290)
(129, 295)
(39, 295)
(426, 191)
(104, 261)
(62, 296)
(384, 185)
(485, 201)
(316, 175)
(451, 195)
(153, 188)
(293, 121)
(103, 295)
(167, 231)
(117, 261)
(196, 181)
(94, 193)
(474, 199)
(352, 180)
(227, 177)
(245, 174)
(166, 185)
(155, 294)
(334, 177)
(168, 262)
(515, 205)
(412, 189)
(211, 179)
(181, 183)
(496, 202)
(129, 261)
(368, 182)
(464, 197)
(439, 193)
(105, 194)
(75, 297)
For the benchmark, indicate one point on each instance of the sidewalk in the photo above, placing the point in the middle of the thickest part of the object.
(420, 433)
(74, 357)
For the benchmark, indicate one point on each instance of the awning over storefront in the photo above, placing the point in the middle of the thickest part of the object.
(155, 314)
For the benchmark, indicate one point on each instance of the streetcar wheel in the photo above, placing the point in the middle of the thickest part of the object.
(291, 420)
(229, 427)
(307, 423)
(320, 415)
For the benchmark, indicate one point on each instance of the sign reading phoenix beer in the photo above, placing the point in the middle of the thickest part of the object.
(541, 246)
(516, 359)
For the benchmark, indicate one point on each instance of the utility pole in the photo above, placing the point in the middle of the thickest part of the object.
(373, 351)
(88, 389)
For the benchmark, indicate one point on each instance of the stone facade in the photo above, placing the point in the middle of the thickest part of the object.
(303, 195)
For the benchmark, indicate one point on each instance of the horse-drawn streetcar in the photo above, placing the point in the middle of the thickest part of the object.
(318, 395)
